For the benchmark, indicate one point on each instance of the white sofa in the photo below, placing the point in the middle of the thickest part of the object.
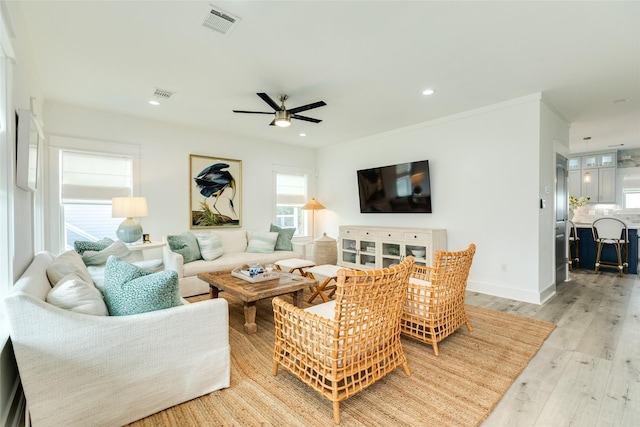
(86, 370)
(234, 244)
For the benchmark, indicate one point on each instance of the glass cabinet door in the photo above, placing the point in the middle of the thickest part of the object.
(367, 253)
(391, 254)
(349, 251)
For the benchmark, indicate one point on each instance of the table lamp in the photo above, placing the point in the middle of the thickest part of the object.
(129, 230)
(313, 205)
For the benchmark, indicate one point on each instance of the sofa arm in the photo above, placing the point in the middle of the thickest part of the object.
(172, 261)
(102, 370)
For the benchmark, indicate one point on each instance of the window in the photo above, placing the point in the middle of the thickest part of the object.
(89, 182)
(291, 195)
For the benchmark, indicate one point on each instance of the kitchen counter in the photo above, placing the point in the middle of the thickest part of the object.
(588, 249)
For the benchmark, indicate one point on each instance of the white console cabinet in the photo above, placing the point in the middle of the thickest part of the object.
(363, 247)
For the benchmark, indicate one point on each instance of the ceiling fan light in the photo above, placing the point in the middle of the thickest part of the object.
(283, 119)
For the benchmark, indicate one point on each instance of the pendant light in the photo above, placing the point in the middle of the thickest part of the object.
(587, 176)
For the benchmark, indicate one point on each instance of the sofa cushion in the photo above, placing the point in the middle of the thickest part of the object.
(230, 261)
(118, 249)
(132, 290)
(82, 245)
(74, 294)
(262, 242)
(210, 246)
(67, 263)
(284, 237)
(232, 240)
(186, 245)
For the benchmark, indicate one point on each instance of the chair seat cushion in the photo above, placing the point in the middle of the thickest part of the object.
(326, 270)
(326, 310)
(295, 263)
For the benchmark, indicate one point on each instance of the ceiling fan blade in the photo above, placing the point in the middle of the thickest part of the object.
(266, 98)
(273, 122)
(252, 112)
(307, 107)
(306, 119)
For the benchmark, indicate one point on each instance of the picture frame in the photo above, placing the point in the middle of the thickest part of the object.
(28, 137)
(215, 192)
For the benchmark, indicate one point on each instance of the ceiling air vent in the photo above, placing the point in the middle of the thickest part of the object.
(163, 94)
(220, 21)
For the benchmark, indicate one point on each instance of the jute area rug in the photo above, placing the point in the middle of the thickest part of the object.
(458, 388)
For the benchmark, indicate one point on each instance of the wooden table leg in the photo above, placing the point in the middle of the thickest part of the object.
(213, 292)
(297, 298)
(250, 325)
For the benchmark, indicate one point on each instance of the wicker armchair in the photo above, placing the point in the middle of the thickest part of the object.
(434, 307)
(343, 346)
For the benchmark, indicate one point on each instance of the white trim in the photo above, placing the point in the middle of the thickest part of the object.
(5, 30)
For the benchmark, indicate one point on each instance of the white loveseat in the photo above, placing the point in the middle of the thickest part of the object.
(234, 245)
(87, 370)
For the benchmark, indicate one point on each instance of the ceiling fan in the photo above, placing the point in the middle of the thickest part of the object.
(282, 115)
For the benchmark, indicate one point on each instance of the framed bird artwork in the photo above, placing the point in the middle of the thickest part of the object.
(215, 195)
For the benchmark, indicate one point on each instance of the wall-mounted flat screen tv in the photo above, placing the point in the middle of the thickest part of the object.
(401, 188)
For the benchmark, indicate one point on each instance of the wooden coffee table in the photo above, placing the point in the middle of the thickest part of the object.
(249, 292)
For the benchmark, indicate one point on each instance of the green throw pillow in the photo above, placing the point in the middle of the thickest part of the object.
(132, 290)
(262, 242)
(82, 245)
(186, 245)
(284, 237)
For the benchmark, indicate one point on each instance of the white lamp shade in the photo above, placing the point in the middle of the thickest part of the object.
(129, 207)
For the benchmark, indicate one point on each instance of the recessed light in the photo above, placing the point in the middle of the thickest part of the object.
(428, 92)
(616, 145)
(303, 134)
(153, 102)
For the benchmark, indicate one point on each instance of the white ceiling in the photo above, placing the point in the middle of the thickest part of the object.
(368, 60)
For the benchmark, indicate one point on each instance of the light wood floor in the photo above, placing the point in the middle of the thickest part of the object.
(588, 371)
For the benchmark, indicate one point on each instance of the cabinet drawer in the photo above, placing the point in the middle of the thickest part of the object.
(416, 236)
(368, 233)
(391, 235)
(349, 231)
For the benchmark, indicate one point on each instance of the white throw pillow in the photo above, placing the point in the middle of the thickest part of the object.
(118, 249)
(262, 242)
(67, 263)
(74, 294)
(232, 240)
(210, 246)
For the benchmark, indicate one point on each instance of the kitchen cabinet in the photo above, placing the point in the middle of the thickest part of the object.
(602, 170)
(363, 247)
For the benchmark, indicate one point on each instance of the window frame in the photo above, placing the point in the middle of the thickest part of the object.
(55, 237)
(289, 170)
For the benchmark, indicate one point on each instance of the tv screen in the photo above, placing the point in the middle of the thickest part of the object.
(401, 188)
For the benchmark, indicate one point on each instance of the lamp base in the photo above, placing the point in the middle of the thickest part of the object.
(129, 230)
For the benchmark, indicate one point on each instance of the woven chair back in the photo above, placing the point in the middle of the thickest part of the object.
(368, 306)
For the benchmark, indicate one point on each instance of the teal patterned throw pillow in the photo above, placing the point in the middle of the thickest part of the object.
(186, 245)
(262, 242)
(83, 245)
(132, 290)
(284, 237)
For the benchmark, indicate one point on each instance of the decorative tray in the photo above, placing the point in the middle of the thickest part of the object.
(262, 277)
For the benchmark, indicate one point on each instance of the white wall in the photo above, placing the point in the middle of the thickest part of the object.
(164, 163)
(554, 137)
(486, 180)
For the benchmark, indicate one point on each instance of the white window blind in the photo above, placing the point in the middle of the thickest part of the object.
(291, 189)
(96, 177)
